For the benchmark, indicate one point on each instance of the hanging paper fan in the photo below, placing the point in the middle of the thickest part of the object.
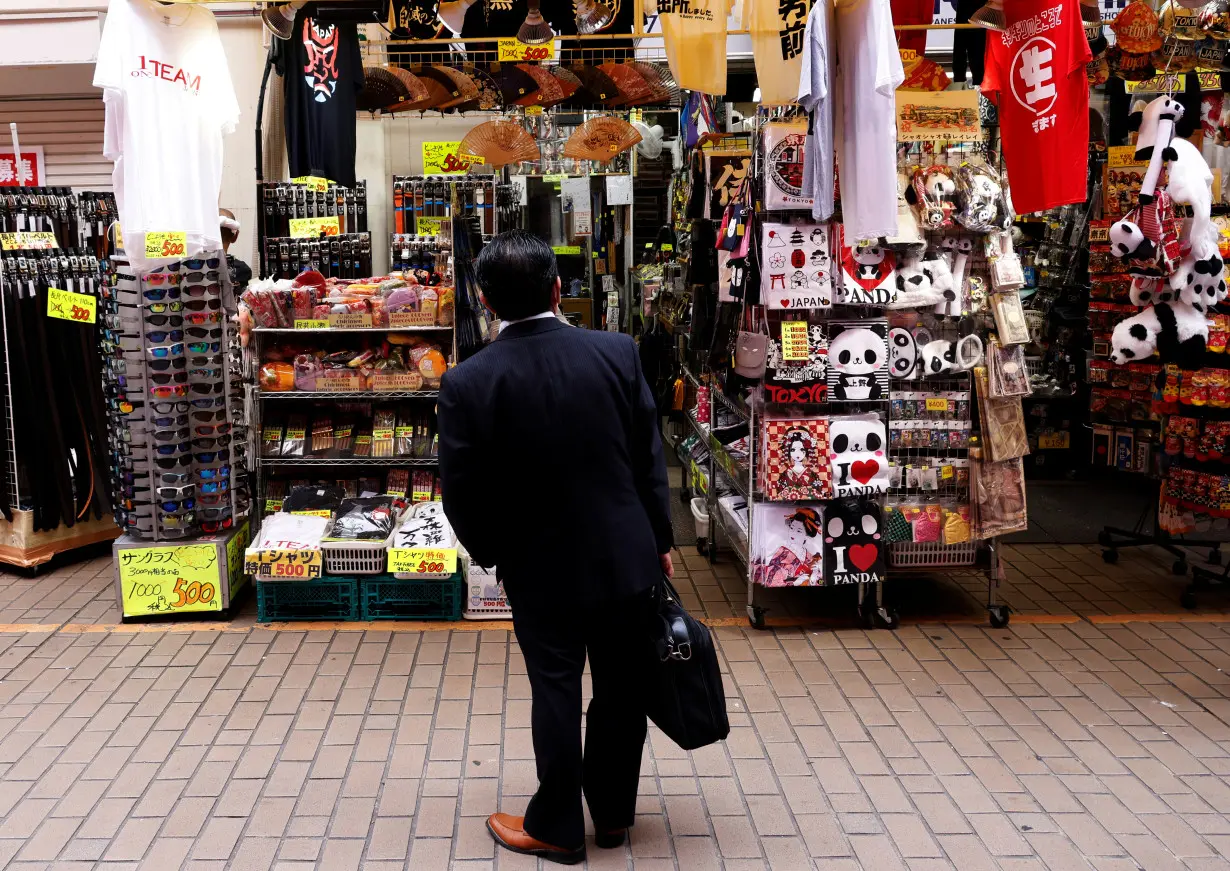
(488, 91)
(601, 138)
(380, 88)
(549, 90)
(500, 143)
(512, 82)
(567, 80)
(596, 86)
(659, 78)
(460, 85)
(420, 95)
(635, 91)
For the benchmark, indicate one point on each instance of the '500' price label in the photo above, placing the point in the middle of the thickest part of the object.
(423, 561)
(285, 565)
(515, 50)
(68, 306)
(162, 245)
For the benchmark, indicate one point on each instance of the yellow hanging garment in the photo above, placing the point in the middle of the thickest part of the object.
(695, 35)
(777, 28)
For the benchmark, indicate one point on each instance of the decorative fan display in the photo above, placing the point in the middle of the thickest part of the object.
(420, 97)
(462, 86)
(500, 143)
(601, 138)
(596, 86)
(633, 88)
(512, 82)
(568, 81)
(380, 88)
(659, 78)
(549, 90)
(488, 91)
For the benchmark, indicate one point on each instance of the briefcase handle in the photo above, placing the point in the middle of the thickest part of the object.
(674, 641)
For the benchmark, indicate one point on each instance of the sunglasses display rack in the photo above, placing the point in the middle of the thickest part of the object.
(53, 450)
(177, 442)
(347, 255)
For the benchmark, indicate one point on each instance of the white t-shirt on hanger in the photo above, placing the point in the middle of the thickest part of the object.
(816, 96)
(868, 73)
(169, 101)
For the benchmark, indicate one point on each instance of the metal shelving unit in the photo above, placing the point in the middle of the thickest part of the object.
(354, 395)
(350, 461)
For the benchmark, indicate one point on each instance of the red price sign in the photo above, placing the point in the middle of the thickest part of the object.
(160, 245)
(78, 307)
(513, 50)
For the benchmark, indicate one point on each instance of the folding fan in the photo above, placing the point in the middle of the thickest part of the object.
(549, 90)
(659, 78)
(596, 86)
(512, 82)
(419, 95)
(460, 85)
(567, 80)
(601, 138)
(633, 88)
(500, 143)
(488, 91)
(380, 88)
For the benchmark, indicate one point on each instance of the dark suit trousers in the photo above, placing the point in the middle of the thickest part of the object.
(555, 641)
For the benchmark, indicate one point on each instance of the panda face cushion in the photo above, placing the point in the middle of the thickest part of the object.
(858, 360)
(856, 454)
(903, 353)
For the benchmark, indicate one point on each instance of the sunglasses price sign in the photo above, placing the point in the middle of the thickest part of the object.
(312, 228)
(66, 305)
(161, 244)
(514, 50)
(279, 564)
(161, 580)
(423, 560)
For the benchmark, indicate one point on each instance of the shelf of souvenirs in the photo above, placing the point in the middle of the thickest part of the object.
(356, 395)
(738, 406)
(350, 461)
(734, 537)
(331, 330)
(734, 472)
(701, 429)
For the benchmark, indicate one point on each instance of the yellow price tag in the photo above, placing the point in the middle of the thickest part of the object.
(37, 241)
(321, 513)
(68, 306)
(1119, 156)
(1054, 441)
(794, 341)
(555, 178)
(937, 404)
(514, 50)
(423, 560)
(908, 55)
(533, 110)
(445, 158)
(311, 324)
(160, 580)
(566, 249)
(350, 321)
(310, 228)
(160, 245)
(286, 565)
(667, 246)
(313, 182)
(430, 226)
(947, 472)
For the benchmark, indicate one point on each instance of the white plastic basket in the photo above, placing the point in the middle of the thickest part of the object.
(931, 554)
(356, 557)
(700, 517)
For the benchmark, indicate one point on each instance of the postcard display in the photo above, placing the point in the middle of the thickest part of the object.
(861, 456)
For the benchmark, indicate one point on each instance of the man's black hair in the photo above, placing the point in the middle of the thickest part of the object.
(516, 272)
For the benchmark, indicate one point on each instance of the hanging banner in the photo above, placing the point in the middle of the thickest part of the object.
(29, 171)
(938, 116)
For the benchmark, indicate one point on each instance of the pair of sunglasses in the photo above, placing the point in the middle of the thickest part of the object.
(199, 263)
(159, 278)
(168, 391)
(166, 350)
(217, 525)
(163, 365)
(212, 474)
(203, 333)
(200, 290)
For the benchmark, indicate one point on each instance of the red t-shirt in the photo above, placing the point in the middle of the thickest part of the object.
(1035, 73)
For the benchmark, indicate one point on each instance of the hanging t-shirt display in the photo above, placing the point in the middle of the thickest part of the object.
(785, 153)
(1035, 70)
(816, 95)
(868, 74)
(777, 30)
(169, 101)
(322, 72)
(694, 34)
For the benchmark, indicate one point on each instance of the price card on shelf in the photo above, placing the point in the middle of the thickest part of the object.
(272, 506)
(350, 321)
(445, 158)
(320, 513)
(947, 472)
(283, 564)
(412, 319)
(338, 382)
(402, 382)
(68, 306)
(935, 403)
(566, 249)
(311, 324)
(313, 183)
(311, 228)
(794, 340)
(160, 245)
(162, 580)
(38, 241)
(514, 50)
(533, 110)
(430, 226)
(422, 560)
(1054, 441)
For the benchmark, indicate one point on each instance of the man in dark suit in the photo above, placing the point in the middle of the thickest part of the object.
(552, 470)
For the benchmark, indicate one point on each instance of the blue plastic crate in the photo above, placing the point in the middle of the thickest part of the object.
(324, 598)
(387, 598)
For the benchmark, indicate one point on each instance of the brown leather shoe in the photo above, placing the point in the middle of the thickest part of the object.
(509, 832)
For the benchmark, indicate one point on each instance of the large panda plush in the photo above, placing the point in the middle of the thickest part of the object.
(1177, 332)
(1200, 282)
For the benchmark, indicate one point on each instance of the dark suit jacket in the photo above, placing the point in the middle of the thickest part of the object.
(551, 464)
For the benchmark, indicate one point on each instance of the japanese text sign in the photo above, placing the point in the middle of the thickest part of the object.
(423, 560)
(794, 341)
(311, 228)
(68, 306)
(288, 564)
(445, 158)
(161, 580)
(514, 50)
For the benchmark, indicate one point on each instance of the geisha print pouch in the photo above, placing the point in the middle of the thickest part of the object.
(788, 544)
(796, 459)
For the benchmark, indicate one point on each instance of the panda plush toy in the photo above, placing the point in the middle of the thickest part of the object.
(1176, 331)
(1200, 282)
(914, 286)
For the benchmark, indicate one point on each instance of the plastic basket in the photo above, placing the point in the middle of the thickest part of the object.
(324, 598)
(931, 554)
(355, 557)
(386, 598)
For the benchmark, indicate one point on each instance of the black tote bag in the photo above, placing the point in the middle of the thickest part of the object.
(684, 693)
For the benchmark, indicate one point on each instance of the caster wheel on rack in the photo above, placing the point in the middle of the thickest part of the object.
(1188, 599)
(1179, 567)
(701, 544)
(885, 618)
(755, 616)
(1110, 556)
(1000, 614)
(1104, 538)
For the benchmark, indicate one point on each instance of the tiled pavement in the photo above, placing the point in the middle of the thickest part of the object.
(1098, 743)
